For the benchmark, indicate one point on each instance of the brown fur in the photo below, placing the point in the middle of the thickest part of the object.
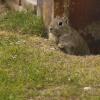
(67, 38)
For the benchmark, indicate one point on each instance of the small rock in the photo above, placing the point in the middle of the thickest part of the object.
(87, 88)
(52, 48)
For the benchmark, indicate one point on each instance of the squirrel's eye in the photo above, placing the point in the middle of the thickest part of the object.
(60, 23)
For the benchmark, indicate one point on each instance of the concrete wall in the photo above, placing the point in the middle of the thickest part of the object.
(20, 5)
(29, 4)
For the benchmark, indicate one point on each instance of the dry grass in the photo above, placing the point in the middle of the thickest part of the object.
(33, 68)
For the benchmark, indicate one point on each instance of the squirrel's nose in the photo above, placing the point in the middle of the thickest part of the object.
(60, 46)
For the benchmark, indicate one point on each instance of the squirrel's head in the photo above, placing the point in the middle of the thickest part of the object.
(57, 24)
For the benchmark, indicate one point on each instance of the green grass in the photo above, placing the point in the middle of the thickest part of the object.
(21, 22)
(31, 69)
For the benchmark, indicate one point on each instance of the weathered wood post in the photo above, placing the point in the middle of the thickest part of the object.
(39, 8)
(45, 10)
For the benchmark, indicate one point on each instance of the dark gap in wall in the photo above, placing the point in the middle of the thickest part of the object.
(20, 2)
(83, 13)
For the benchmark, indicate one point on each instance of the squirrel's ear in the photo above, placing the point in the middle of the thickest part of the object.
(66, 20)
(64, 17)
(57, 17)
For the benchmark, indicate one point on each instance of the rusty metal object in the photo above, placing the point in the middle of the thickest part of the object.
(79, 12)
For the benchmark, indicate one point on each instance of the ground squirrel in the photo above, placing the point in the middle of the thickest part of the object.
(67, 38)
